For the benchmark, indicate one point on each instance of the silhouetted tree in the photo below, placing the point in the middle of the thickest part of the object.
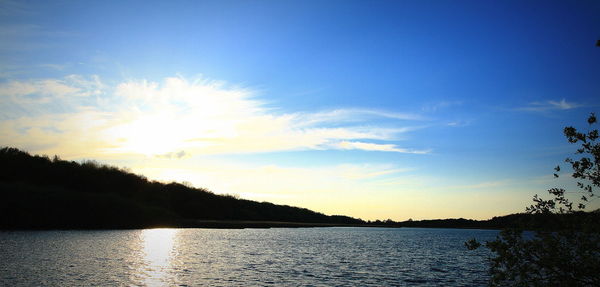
(567, 253)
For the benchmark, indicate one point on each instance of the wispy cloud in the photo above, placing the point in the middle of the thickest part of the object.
(43, 90)
(349, 145)
(178, 117)
(177, 155)
(23, 99)
(484, 185)
(436, 106)
(458, 123)
(549, 106)
(55, 67)
(355, 115)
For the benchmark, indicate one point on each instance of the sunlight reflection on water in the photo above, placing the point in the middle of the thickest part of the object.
(158, 247)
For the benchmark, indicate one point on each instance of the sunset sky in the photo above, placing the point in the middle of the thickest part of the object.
(372, 109)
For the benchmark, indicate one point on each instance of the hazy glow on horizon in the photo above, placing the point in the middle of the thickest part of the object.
(407, 111)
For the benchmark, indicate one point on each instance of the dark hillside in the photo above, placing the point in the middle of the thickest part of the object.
(39, 192)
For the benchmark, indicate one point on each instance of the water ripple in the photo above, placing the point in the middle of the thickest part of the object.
(265, 257)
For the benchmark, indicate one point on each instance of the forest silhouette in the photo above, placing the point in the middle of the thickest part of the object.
(38, 192)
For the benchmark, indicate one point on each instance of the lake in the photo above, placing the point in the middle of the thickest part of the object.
(338, 256)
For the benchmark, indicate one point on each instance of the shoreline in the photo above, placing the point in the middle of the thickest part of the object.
(242, 224)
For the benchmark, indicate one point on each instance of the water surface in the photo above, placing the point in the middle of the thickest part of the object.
(245, 257)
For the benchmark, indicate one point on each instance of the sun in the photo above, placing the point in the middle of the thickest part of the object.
(151, 135)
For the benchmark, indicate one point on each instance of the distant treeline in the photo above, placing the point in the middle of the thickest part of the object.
(37, 192)
(525, 221)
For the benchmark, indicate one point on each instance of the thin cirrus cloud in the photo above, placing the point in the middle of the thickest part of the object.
(33, 91)
(349, 145)
(549, 106)
(81, 116)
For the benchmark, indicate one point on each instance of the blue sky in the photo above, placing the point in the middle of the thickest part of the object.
(374, 109)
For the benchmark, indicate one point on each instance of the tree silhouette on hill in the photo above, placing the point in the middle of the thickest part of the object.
(39, 192)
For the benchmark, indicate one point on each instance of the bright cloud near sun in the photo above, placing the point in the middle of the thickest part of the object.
(78, 116)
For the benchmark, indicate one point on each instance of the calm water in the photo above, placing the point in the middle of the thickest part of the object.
(248, 257)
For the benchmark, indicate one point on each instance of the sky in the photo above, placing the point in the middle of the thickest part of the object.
(372, 109)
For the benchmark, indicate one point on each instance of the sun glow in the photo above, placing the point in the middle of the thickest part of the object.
(150, 135)
(177, 116)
